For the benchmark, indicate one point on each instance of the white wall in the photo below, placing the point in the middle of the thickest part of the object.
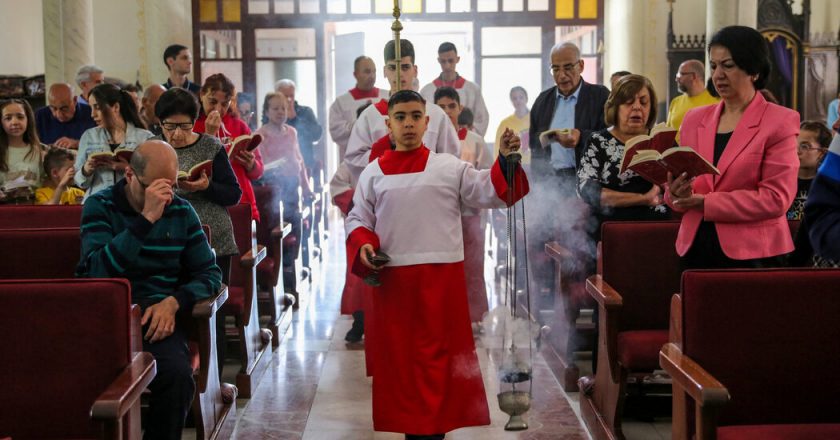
(131, 35)
(22, 32)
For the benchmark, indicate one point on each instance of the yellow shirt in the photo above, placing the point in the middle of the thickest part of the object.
(70, 196)
(683, 103)
(518, 125)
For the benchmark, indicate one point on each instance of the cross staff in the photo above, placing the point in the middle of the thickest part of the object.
(397, 27)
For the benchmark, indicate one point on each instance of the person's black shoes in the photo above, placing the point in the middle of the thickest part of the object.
(358, 330)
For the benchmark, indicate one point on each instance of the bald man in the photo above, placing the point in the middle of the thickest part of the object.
(147, 108)
(123, 232)
(691, 81)
(343, 110)
(64, 119)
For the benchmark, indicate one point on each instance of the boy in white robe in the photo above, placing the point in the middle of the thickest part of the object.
(408, 205)
(440, 136)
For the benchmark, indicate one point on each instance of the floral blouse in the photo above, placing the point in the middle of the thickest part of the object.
(599, 168)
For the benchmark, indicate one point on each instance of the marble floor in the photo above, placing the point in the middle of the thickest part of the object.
(315, 387)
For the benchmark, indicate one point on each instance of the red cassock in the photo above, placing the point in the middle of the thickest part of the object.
(426, 377)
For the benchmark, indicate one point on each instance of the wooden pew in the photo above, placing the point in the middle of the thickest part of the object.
(40, 216)
(753, 355)
(254, 342)
(212, 412)
(272, 232)
(67, 360)
(638, 271)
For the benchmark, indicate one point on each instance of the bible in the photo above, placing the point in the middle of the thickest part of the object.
(194, 173)
(118, 154)
(550, 136)
(246, 142)
(661, 138)
(654, 166)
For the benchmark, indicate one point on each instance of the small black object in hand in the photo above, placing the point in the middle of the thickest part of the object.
(379, 260)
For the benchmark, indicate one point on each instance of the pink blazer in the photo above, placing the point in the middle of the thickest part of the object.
(757, 183)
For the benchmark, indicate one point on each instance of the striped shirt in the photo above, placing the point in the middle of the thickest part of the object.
(170, 257)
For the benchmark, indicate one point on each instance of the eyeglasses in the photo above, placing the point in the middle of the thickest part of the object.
(567, 68)
(682, 74)
(172, 126)
(809, 146)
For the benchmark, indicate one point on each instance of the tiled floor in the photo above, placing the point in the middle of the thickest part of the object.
(315, 387)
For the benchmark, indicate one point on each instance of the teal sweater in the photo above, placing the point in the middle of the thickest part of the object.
(168, 258)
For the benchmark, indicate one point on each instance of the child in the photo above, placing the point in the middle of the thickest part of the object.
(59, 172)
(474, 151)
(20, 151)
(814, 139)
(426, 377)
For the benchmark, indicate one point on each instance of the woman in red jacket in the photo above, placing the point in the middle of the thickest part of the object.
(216, 120)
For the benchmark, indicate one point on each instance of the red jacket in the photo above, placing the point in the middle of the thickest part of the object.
(236, 127)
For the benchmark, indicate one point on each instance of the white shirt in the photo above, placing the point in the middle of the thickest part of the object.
(440, 136)
(470, 95)
(342, 116)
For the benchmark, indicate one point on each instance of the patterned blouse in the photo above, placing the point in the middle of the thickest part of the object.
(599, 169)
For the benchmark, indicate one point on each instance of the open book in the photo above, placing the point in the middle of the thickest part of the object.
(246, 142)
(550, 136)
(654, 166)
(195, 172)
(662, 137)
(119, 153)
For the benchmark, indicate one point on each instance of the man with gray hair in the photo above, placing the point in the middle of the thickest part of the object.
(343, 111)
(88, 77)
(303, 119)
(63, 121)
(577, 108)
(691, 81)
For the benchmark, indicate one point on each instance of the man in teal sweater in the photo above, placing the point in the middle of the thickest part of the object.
(140, 230)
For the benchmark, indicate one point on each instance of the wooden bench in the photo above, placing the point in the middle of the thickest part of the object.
(68, 365)
(242, 302)
(638, 271)
(753, 355)
(213, 414)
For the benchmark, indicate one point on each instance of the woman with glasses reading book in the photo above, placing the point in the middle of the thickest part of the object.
(216, 188)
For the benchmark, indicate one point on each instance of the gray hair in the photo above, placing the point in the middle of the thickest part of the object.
(284, 83)
(566, 45)
(83, 74)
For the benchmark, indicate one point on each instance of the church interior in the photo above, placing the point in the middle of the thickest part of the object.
(599, 306)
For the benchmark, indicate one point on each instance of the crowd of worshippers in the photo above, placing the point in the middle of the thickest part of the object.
(773, 166)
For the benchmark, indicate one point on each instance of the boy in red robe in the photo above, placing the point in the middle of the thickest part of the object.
(408, 205)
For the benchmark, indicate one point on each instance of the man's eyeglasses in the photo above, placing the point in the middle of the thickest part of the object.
(682, 74)
(171, 126)
(567, 68)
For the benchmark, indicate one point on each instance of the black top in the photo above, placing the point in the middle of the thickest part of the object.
(721, 139)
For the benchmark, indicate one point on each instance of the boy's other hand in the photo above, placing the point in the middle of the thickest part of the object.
(364, 253)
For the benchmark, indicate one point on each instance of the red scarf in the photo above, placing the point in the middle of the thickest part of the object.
(462, 133)
(382, 106)
(457, 83)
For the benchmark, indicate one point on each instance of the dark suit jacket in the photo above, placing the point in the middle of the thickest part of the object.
(589, 117)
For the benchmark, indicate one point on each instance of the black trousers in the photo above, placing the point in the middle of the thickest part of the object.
(172, 388)
(706, 253)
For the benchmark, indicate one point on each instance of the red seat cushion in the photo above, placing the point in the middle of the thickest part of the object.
(639, 349)
(779, 432)
(235, 304)
(265, 272)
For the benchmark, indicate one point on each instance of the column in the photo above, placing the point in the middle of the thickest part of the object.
(68, 38)
(625, 32)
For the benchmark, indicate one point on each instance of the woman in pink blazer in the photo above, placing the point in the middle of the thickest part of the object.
(737, 219)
